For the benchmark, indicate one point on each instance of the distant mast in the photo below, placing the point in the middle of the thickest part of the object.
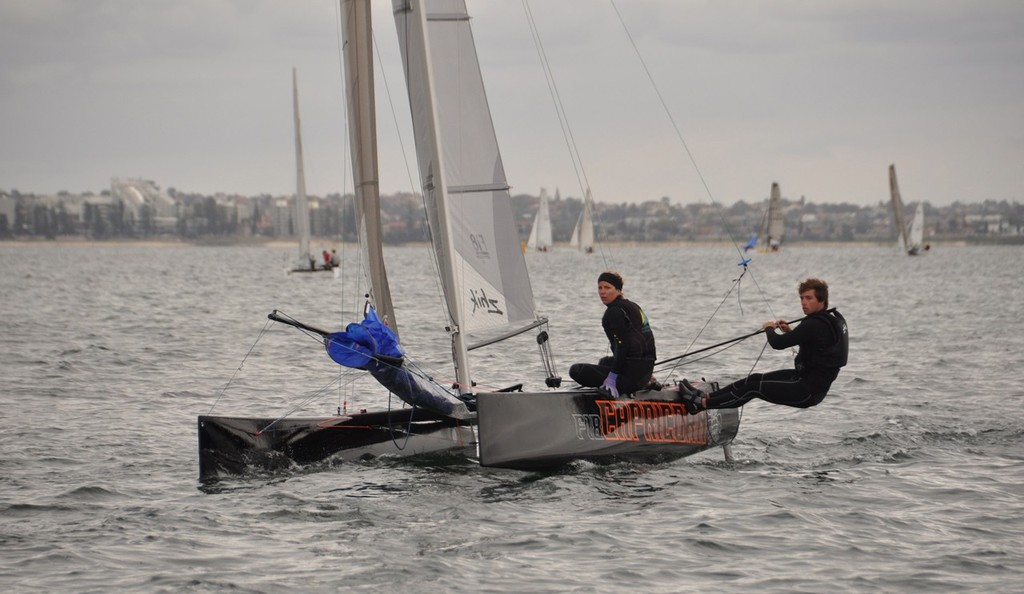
(301, 203)
(897, 210)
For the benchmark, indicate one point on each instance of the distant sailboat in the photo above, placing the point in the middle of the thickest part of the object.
(306, 261)
(910, 237)
(583, 234)
(540, 235)
(774, 229)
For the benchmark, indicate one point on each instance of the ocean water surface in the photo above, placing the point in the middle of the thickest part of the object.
(909, 477)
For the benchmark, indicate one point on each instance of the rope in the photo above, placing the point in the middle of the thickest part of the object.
(707, 189)
(563, 119)
(266, 325)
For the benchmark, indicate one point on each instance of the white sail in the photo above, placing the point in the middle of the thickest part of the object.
(301, 219)
(540, 234)
(897, 210)
(583, 233)
(775, 226)
(483, 271)
(916, 236)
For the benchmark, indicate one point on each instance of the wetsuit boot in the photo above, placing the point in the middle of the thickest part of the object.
(694, 400)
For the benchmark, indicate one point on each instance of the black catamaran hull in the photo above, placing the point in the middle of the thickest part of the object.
(236, 445)
(529, 431)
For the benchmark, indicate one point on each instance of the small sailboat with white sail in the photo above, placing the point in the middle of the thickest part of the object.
(540, 239)
(487, 293)
(583, 233)
(305, 261)
(909, 233)
(773, 230)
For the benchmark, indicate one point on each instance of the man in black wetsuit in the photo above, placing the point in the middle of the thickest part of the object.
(824, 344)
(631, 340)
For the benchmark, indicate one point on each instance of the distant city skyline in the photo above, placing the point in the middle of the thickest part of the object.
(819, 97)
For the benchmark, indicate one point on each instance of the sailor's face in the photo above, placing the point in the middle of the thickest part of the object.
(607, 292)
(809, 302)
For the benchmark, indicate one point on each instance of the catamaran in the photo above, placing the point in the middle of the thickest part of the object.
(487, 293)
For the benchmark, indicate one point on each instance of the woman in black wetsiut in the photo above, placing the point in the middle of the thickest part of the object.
(631, 340)
(823, 343)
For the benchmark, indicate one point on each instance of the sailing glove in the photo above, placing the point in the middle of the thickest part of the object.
(609, 384)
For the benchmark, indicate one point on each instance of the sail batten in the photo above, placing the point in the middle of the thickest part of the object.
(478, 188)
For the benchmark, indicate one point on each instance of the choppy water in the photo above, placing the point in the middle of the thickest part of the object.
(909, 477)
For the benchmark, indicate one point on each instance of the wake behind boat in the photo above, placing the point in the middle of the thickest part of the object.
(487, 293)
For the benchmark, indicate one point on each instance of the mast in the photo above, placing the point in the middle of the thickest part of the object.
(357, 37)
(301, 204)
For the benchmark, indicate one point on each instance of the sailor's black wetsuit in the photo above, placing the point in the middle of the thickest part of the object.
(633, 351)
(824, 346)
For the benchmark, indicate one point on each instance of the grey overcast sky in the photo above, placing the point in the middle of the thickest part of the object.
(820, 96)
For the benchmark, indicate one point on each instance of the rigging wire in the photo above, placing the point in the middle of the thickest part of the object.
(240, 365)
(563, 120)
(700, 175)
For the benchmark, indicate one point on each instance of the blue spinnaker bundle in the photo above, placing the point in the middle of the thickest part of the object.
(372, 346)
(360, 343)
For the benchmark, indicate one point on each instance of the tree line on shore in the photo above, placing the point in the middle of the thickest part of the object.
(195, 217)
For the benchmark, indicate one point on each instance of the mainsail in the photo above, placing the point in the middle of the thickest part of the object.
(540, 234)
(483, 273)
